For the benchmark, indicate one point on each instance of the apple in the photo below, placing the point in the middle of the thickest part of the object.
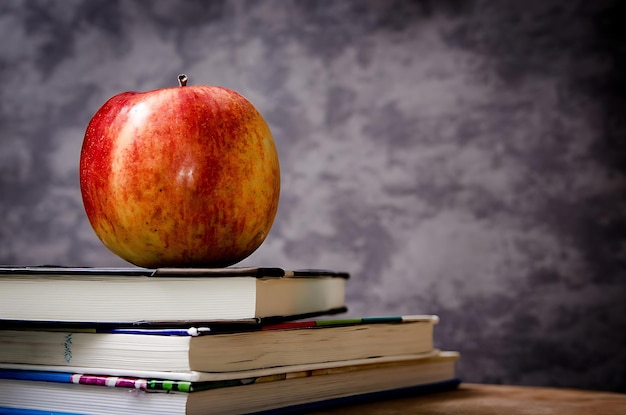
(186, 176)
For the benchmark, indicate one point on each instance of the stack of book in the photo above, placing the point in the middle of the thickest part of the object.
(201, 341)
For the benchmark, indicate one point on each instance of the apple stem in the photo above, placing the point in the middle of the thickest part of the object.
(182, 79)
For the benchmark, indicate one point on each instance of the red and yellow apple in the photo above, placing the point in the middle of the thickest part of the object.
(186, 176)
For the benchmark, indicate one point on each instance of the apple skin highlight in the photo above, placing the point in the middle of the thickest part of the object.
(180, 177)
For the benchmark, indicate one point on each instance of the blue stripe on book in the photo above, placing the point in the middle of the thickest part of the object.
(21, 411)
(36, 375)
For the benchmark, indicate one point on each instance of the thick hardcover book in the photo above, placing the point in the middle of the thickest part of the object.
(135, 296)
(57, 392)
(212, 350)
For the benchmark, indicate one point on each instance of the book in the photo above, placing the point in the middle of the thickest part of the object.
(217, 349)
(254, 392)
(136, 296)
(195, 376)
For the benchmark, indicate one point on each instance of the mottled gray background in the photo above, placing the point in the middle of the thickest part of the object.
(464, 158)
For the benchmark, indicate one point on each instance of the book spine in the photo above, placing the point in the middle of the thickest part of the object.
(344, 322)
(365, 320)
(149, 385)
(192, 331)
(289, 326)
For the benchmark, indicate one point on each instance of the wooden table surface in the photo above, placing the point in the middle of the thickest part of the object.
(479, 399)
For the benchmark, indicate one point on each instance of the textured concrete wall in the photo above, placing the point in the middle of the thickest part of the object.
(464, 158)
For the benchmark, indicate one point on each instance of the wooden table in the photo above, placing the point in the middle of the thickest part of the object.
(478, 399)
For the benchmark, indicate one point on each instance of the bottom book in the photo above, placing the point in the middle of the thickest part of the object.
(53, 393)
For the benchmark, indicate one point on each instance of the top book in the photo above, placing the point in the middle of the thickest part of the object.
(172, 296)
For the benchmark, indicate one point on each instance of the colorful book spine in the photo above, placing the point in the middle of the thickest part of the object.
(141, 384)
(191, 331)
(148, 385)
(350, 322)
(225, 328)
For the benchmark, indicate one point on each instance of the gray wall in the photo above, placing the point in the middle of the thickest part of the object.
(464, 158)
